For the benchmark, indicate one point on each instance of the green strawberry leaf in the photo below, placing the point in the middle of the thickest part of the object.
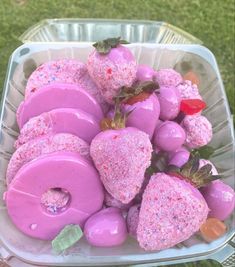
(126, 92)
(124, 42)
(69, 235)
(191, 172)
(204, 152)
(104, 46)
(158, 163)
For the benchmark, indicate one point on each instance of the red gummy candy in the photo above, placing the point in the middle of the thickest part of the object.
(192, 106)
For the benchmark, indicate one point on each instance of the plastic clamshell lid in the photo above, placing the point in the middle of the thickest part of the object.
(180, 57)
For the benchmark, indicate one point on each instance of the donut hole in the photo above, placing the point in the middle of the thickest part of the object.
(55, 200)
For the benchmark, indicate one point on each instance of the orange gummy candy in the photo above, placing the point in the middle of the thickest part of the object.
(212, 229)
(191, 76)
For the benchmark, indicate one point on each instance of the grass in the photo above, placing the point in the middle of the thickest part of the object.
(212, 21)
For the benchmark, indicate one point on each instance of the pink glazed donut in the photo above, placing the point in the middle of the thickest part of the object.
(65, 170)
(57, 95)
(45, 145)
(60, 120)
(63, 70)
(69, 71)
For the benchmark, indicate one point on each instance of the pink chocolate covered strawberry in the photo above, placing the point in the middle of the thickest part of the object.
(172, 208)
(141, 102)
(111, 65)
(121, 156)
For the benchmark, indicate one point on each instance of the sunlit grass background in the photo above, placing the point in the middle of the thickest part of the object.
(212, 21)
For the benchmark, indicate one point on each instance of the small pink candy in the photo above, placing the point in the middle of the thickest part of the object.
(220, 199)
(145, 73)
(106, 228)
(180, 158)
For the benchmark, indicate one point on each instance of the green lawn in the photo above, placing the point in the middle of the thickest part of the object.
(212, 21)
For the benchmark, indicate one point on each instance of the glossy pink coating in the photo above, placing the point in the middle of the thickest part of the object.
(169, 103)
(149, 109)
(168, 77)
(145, 73)
(188, 90)
(110, 201)
(112, 71)
(133, 220)
(57, 96)
(106, 228)
(159, 122)
(198, 130)
(44, 145)
(220, 199)
(172, 153)
(63, 170)
(171, 211)
(169, 136)
(179, 158)
(121, 157)
(61, 120)
(64, 71)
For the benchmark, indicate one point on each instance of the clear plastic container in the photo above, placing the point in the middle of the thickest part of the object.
(180, 57)
(91, 30)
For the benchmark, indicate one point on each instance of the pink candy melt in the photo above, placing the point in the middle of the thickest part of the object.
(198, 130)
(171, 211)
(45, 145)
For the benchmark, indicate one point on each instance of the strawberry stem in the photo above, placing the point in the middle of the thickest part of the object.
(127, 93)
(191, 172)
(104, 46)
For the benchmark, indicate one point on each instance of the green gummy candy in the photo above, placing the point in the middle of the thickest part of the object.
(66, 238)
